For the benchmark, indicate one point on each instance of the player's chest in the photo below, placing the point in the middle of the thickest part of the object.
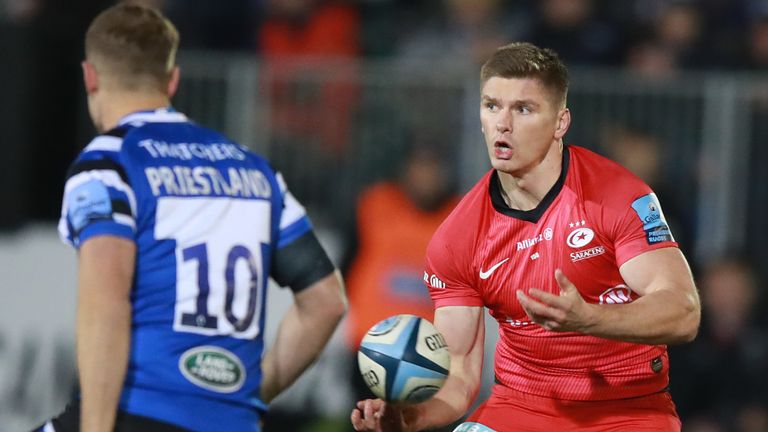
(521, 255)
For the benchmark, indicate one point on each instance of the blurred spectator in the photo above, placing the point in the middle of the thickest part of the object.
(572, 28)
(309, 48)
(757, 43)
(463, 30)
(209, 25)
(721, 379)
(53, 50)
(639, 152)
(309, 28)
(395, 221)
(18, 11)
(716, 25)
(679, 29)
(651, 59)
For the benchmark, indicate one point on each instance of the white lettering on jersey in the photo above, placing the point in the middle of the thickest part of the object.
(616, 295)
(203, 181)
(525, 244)
(187, 151)
(518, 323)
(588, 253)
(433, 281)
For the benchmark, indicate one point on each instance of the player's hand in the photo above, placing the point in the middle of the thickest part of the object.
(375, 415)
(566, 312)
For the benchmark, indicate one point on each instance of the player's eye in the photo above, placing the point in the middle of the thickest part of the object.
(522, 109)
(491, 106)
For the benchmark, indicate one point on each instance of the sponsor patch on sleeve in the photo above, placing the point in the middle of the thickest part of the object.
(655, 226)
(88, 202)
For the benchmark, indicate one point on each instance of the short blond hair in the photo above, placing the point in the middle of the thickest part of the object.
(525, 60)
(134, 44)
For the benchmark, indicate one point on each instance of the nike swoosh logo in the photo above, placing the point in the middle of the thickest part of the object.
(487, 274)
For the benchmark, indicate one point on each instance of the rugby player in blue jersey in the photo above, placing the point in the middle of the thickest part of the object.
(178, 230)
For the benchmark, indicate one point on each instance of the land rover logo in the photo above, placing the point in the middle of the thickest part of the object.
(213, 368)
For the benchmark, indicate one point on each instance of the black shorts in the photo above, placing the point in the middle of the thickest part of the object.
(69, 421)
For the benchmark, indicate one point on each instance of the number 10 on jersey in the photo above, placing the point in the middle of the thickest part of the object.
(220, 280)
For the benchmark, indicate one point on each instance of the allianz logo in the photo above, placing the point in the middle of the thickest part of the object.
(433, 281)
(525, 244)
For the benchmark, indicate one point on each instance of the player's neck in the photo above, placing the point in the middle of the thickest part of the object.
(117, 105)
(527, 190)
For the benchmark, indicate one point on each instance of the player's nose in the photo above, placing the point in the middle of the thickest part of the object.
(504, 122)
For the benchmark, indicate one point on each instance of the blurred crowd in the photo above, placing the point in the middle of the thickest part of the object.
(720, 381)
(40, 39)
(650, 36)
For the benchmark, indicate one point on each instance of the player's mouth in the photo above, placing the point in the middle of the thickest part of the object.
(502, 150)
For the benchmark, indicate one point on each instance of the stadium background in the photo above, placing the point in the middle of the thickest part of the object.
(334, 92)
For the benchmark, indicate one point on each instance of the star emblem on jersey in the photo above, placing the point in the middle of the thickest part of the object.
(486, 274)
(580, 237)
(577, 223)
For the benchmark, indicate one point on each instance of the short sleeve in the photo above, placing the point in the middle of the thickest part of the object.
(98, 199)
(447, 275)
(640, 227)
(294, 222)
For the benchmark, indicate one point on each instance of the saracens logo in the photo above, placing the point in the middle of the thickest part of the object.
(580, 237)
(587, 253)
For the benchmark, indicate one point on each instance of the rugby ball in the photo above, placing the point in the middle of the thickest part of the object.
(404, 359)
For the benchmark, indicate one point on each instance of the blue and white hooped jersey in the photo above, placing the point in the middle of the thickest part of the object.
(207, 216)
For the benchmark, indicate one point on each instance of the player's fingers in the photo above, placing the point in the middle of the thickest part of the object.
(549, 298)
(360, 423)
(538, 311)
(355, 418)
(368, 410)
(524, 303)
(563, 282)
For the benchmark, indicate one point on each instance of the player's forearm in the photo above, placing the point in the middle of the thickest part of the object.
(105, 275)
(662, 317)
(103, 339)
(303, 333)
(299, 342)
(463, 383)
(448, 405)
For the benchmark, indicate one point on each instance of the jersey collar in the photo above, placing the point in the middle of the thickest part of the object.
(494, 189)
(161, 115)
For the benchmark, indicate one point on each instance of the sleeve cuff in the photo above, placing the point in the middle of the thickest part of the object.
(108, 228)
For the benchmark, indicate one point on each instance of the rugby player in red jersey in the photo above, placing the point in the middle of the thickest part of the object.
(573, 257)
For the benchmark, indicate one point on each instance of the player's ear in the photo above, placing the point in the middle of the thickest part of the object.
(90, 77)
(563, 123)
(173, 82)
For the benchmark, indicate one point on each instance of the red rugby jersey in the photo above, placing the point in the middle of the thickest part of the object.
(596, 217)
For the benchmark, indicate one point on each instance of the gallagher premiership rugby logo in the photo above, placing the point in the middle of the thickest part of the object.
(213, 368)
(655, 226)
